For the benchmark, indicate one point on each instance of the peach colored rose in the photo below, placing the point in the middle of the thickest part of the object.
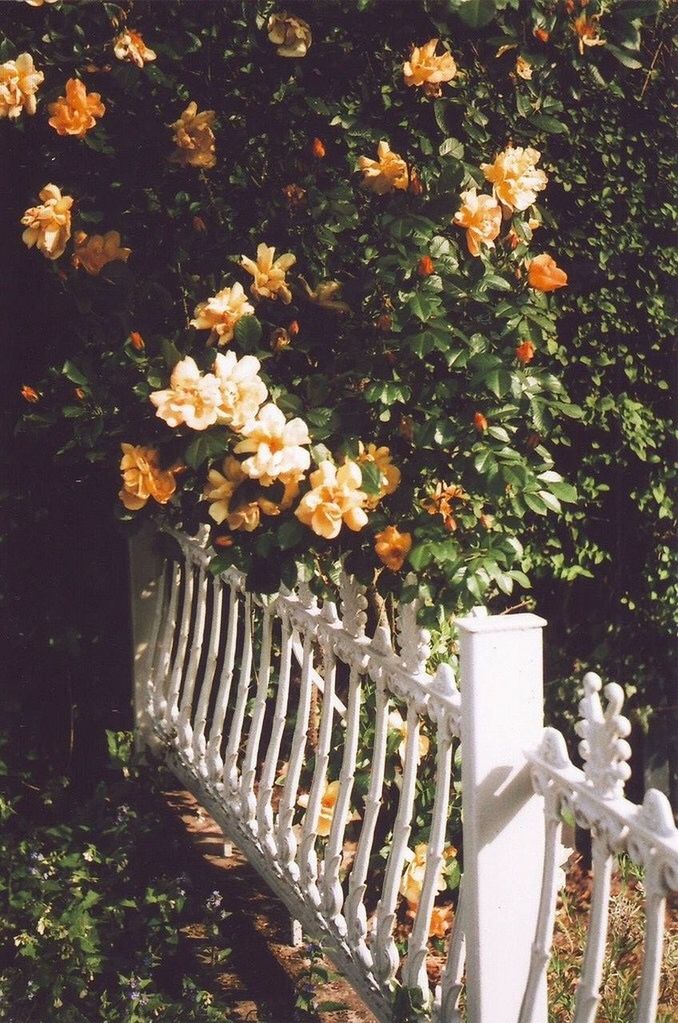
(129, 45)
(192, 399)
(429, 69)
(142, 478)
(269, 274)
(523, 68)
(220, 488)
(389, 474)
(49, 226)
(277, 448)
(76, 113)
(242, 390)
(290, 34)
(39, 3)
(221, 313)
(385, 174)
(336, 498)
(441, 921)
(545, 275)
(93, 252)
(515, 177)
(194, 138)
(19, 82)
(392, 547)
(481, 216)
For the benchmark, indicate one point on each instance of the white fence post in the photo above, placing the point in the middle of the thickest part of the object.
(146, 566)
(502, 700)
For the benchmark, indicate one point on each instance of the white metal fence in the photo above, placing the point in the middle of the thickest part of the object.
(275, 713)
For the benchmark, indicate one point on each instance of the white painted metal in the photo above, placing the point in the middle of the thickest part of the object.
(241, 747)
(502, 715)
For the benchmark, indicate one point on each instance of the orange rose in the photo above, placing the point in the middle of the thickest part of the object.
(194, 138)
(428, 69)
(425, 266)
(525, 352)
(385, 174)
(544, 275)
(93, 252)
(77, 111)
(392, 547)
(142, 477)
(130, 46)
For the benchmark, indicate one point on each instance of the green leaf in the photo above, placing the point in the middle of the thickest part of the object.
(248, 332)
(207, 445)
(551, 502)
(452, 147)
(477, 13)
(371, 477)
(548, 124)
(170, 353)
(71, 371)
(290, 534)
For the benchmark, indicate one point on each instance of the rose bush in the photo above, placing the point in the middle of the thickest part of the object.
(373, 319)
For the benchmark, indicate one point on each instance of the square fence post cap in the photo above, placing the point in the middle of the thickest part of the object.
(500, 623)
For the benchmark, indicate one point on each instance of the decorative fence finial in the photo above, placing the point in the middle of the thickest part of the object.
(353, 605)
(604, 748)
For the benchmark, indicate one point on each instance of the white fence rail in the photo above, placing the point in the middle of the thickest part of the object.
(275, 713)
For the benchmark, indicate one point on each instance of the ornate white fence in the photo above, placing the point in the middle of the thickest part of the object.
(272, 709)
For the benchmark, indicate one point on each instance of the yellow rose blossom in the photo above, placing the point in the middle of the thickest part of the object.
(385, 174)
(221, 491)
(336, 498)
(93, 252)
(291, 35)
(389, 478)
(587, 31)
(221, 313)
(481, 216)
(269, 274)
(242, 390)
(515, 177)
(142, 478)
(19, 82)
(397, 724)
(328, 803)
(76, 113)
(194, 138)
(412, 881)
(192, 399)
(49, 226)
(429, 69)
(129, 45)
(276, 447)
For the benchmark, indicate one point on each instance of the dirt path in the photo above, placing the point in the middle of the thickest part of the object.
(261, 979)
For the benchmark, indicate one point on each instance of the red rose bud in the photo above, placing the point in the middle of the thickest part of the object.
(425, 266)
(199, 225)
(318, 149)
(525, 352)
(29, 394)
(79, 393)
(293, 328)
(480, 422)
(137, 341)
